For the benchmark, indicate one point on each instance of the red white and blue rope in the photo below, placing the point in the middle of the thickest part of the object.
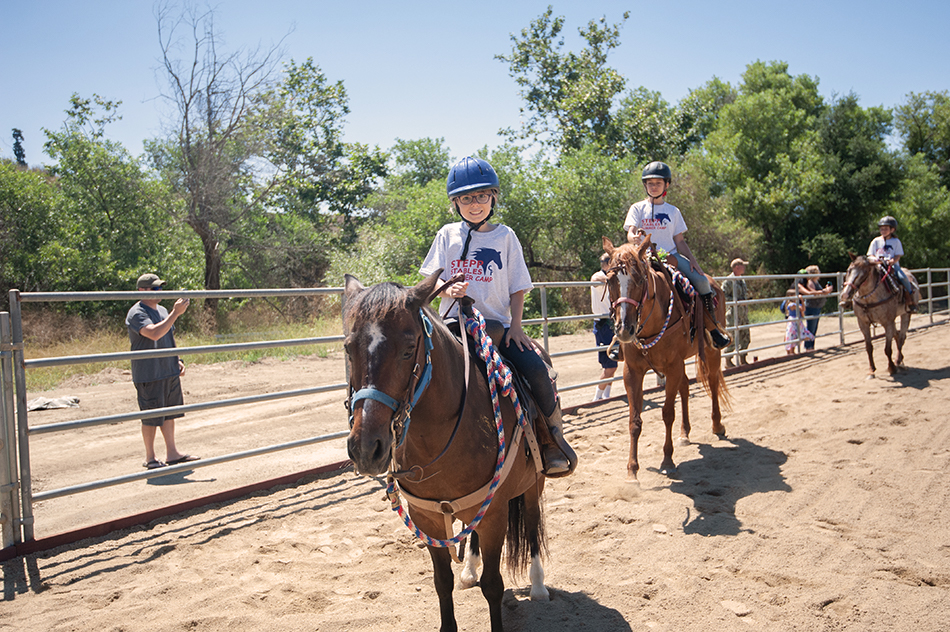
(500, 374)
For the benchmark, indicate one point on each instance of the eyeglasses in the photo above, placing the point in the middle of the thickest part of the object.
(481, 198)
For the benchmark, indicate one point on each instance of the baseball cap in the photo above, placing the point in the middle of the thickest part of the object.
(149, 280)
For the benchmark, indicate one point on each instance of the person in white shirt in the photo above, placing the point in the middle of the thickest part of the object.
(664, 223)
(496, 277)
(887, 248)
(603, 327)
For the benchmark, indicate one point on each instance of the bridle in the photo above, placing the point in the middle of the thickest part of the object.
(418, 381)
(859, 299)
(639, 322)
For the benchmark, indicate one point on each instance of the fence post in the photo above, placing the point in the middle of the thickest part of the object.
(544, 316)
(9, 502)
(23, 434)
(930, 295)
(839, 279)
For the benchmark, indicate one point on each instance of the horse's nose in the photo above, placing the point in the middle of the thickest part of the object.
(369, 454)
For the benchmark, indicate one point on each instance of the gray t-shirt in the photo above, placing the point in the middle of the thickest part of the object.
(494, 268)
(150, 369)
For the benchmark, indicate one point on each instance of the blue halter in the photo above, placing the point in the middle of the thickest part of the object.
(383, 398)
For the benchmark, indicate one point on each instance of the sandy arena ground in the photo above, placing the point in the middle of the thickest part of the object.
(825, 508)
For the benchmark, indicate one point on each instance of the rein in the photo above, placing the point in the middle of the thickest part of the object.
(880, 283)
(499, 375)
(669, 311)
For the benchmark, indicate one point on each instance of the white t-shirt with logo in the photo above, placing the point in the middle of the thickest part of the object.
(661, 221)
(885, 248)
(494, 268)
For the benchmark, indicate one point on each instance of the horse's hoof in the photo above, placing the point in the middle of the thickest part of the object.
(870, 376)
(540, 593)
(681, 441)
(467, 582)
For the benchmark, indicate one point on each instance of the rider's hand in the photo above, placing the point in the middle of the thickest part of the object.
(457, 290)
(517, 335)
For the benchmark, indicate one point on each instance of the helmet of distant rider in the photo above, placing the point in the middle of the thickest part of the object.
(470, 174)
(887, 220)
(657, 169)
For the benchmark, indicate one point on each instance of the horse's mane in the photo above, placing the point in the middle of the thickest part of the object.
(380, 301)
(377, 302)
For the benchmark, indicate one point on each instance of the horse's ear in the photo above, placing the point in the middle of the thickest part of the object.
(351, 286)
(644, 246)
(608, 246)
(852, 255)
(424, 291)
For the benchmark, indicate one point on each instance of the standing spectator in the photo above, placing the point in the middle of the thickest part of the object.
(735, 289)
(603, 327)
(795, 330)
(157, 380)
(815, 297)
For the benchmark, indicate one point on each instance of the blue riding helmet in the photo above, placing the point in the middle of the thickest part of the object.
(470, 174)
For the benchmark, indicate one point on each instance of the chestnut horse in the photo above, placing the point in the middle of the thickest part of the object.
(875, 301)
(653, 328)
(395, 344)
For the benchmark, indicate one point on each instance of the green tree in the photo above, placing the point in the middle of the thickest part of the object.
(419, 161)
(764, 156)
(922, 208)
(110, 225)
(250, 145)
(28, 203)
(567, 96)
(18, 152)
(861, 177)
(924, 125)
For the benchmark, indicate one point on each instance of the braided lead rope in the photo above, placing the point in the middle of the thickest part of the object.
(669, 312)
(497, 372)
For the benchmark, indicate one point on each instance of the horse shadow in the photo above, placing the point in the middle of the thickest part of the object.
(725, 473)
(565, 612)
(920, 378)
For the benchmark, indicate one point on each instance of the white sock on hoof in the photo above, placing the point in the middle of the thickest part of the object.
(538, 591)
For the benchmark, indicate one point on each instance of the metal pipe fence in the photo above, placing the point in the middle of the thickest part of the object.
(16, 489)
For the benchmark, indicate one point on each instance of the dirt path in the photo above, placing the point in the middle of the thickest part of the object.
(826, 508)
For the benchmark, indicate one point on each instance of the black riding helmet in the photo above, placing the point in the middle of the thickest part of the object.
(887, 220)
(657, 169)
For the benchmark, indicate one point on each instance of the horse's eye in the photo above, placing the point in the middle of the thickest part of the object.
(409, 352)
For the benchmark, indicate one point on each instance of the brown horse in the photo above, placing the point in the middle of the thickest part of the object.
(654, 329)
(395, 342)
(875, 301)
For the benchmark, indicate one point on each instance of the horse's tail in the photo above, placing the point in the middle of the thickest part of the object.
(525, 537)
(710, 374)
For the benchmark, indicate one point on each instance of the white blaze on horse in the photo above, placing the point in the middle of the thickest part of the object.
(877, 299)
(658, 331)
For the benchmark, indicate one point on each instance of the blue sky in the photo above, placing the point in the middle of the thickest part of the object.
(427, 69)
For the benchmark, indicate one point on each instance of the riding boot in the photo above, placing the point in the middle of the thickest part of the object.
(719, 339)
(558, 458)
(909, 302)
(614, 352)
